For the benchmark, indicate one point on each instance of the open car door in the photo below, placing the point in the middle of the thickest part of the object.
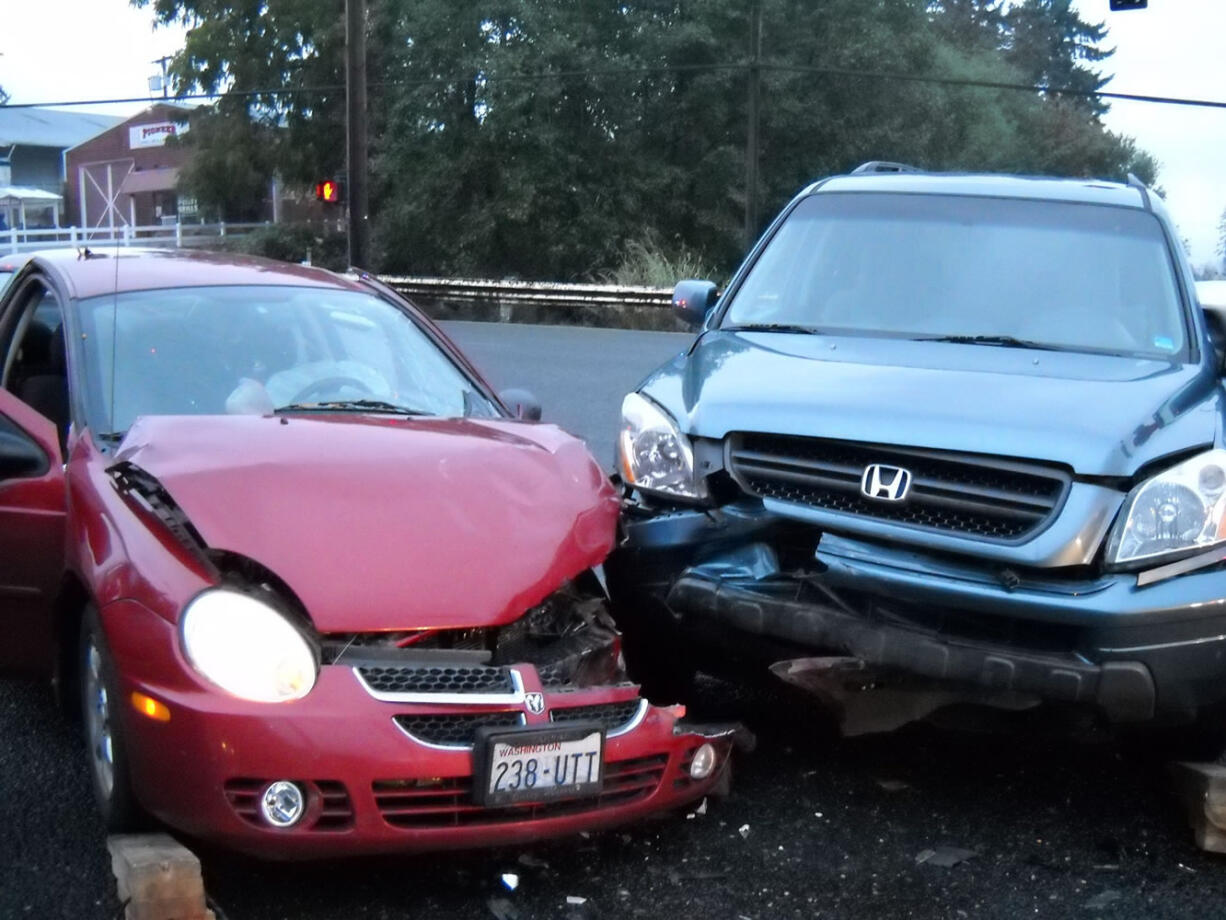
(32, 511)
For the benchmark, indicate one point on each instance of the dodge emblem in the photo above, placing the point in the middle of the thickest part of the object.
(535, 703)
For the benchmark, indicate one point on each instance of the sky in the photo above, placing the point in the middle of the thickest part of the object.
(60, 50)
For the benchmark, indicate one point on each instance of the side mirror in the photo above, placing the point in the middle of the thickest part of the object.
(693, 300)
(522, 403)
(20, 457)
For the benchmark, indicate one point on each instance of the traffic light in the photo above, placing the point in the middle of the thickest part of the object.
(1117, 5)
(329, 190)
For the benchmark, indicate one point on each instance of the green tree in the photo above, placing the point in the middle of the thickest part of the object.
(247, 48)
(542, 139)
(1050, 45)
(231, 181)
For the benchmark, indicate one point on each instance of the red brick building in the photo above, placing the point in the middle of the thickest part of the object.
(126, 176)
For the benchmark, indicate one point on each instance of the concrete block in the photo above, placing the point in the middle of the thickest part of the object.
(157, 877)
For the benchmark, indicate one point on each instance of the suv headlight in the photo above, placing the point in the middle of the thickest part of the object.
(655, 455)
(247, 648)
(1181, 509)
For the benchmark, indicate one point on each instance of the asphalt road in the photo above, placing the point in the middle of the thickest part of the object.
(579, 375)
(816, 827)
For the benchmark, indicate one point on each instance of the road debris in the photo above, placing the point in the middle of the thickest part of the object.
(1103, 899)
(502, 909)
(893, 785)
(945, 857)
(743, 830)
(510, 880)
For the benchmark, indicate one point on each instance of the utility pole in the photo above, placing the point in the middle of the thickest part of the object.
(163, 61)
(751, 139)
(355, 131)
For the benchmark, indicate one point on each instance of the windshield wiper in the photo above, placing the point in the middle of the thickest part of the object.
(772, 327)
(350, 405)
(1005, 341)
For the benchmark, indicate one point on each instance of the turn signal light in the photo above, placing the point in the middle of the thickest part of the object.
(148, 706)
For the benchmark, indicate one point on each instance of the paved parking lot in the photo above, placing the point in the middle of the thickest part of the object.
(815, 827)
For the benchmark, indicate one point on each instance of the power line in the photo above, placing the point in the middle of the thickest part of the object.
(657, 69)
(990, 84)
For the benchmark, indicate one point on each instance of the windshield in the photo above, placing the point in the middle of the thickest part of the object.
(256, 349)
(1075, 276)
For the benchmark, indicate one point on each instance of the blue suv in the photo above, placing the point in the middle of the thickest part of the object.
(943, 439)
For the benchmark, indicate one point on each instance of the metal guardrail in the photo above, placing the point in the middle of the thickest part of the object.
(534, 293)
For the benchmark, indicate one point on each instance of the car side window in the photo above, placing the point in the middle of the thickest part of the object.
(35, 368)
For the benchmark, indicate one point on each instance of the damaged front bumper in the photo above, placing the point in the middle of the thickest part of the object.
(386, 748)
(840, 615)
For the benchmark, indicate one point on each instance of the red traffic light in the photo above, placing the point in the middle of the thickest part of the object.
(328, 190)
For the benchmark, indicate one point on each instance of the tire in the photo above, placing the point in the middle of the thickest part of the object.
(106, 750)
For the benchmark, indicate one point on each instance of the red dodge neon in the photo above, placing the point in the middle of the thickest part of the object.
(315, 590)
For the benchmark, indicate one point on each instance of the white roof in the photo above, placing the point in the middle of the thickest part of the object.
(38, 127)
(15, 193)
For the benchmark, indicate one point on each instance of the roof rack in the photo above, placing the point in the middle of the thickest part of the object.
(883, 166)
(1140, 186)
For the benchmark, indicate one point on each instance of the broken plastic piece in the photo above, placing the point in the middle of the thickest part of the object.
(944, 857)
(502, 909)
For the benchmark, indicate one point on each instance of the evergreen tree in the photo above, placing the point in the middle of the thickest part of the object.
(1050, 45)
(535, 138)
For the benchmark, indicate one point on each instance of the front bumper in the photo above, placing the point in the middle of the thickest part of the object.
(371, 786)
(1137, 654)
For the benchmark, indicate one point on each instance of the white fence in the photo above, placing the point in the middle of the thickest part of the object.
(158, 235)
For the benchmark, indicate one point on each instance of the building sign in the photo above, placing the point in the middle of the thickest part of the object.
(153, 135)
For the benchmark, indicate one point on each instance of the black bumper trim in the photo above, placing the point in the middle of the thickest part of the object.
(1123, 690)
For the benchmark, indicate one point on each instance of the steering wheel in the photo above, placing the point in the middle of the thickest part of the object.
(328, 384)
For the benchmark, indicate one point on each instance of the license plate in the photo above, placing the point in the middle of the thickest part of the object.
(538, 765)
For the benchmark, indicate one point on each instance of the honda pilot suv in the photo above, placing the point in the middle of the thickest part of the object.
(943, 439)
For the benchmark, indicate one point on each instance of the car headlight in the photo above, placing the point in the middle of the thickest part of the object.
(655, 455)
(1181, 509)
(247, 648)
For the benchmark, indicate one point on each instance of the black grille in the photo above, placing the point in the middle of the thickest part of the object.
(990, 498)
(437, 679)
(454, 730)
(558, 675)
(611, 715)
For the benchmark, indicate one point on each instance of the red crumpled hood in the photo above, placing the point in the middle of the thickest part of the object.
(380, 523)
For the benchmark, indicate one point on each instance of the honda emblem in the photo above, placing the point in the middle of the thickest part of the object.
(885, 483)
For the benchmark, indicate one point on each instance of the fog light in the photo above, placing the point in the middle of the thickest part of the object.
(703, 762)
(282, 804)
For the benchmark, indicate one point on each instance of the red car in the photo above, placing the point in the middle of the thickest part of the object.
(316, 591)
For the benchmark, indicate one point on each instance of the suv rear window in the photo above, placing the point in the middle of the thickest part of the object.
(1072, 276)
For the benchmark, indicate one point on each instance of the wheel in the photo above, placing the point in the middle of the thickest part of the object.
(105, 748)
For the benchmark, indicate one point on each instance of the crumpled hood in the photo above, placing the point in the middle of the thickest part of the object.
(1099, 414)
(380, 523)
